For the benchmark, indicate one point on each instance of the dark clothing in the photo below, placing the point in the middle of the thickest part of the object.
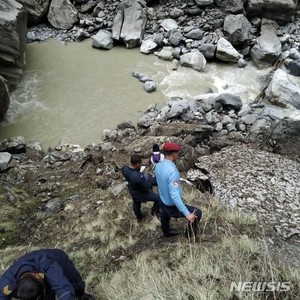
(59, 274)
(172, 211)
(140, 188)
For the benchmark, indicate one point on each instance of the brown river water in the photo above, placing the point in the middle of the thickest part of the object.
(71, 93)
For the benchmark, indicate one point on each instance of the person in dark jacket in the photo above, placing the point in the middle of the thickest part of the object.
(45, 274)
(140, 186)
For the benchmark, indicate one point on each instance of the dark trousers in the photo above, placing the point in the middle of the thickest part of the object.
(172, 211)
(137, 202)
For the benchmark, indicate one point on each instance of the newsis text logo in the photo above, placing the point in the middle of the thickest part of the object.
(260, 286)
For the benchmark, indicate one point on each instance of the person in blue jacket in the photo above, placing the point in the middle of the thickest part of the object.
(170, 192)
(45, 274)
(140, 186)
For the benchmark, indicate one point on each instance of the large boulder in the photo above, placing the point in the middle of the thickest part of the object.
(4, 98)
(130, 22)
(195, 60)
(229, 101)
(148, 46)
(237, 29)
(280, 10)
(13, 41)
(267, 48)
(103, 40)
(208, 50)
(62, 14)
(283, 90)
(226, 52)
(231, 6)
(169, 24)
(36, 9)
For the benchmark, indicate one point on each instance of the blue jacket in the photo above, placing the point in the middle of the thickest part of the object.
(169, 187)
(56, 267)
(139, 183)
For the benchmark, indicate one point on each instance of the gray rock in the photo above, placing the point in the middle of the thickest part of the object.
(283, 90)
(201, 3)
(242, 127)
(175, 13)
(174, 64)
(258, 127)
(219, 127)
(294, 67)
(175, 37)
(272, 114)
(250, 119)
(103, 40)
(150, 86)
(5, 159)
(242, 63)
(125, 124)
(158, 38)
(229, 101)
(36, 9)
(287, 129)
(177, 108)
(4, 98)
(226, 120)
(116, 188)
(194, 11)
(166, 54)
(208, 50)
(212, 118)
(231, 6)
(230, 127)
(195, 60)
(145, 121)
(89, 6)
(130, 23)
(34, 151)
(99, 7)
(266, 50)
(226, 52)
(169, 24)
(246, 109)
(147, 46)
(195, 34)
(54, 205)
(62, 14)
(13, 29)
(237, 29)
(281, 10)
(294, 53)
(14, 145)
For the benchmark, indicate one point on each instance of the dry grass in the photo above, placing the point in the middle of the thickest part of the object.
(120, 259)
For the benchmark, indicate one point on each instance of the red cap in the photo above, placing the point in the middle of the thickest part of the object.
(171, 147)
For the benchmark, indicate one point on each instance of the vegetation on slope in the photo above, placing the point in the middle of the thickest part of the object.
(121, 259)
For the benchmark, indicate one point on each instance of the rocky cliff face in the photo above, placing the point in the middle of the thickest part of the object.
(13, 29)
(4, 98)
(36, 9)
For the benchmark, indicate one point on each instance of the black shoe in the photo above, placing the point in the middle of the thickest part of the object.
(171, 233)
